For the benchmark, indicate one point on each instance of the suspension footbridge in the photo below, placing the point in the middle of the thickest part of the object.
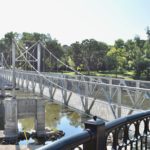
(107, 98)
(91, 94)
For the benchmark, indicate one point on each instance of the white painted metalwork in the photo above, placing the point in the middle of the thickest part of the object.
(75, 93)
(107, 98)
(13, 65)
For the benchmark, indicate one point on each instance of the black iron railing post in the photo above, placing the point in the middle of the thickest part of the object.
(97, 127)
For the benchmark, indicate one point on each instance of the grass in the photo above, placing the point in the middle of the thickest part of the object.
(128, 75)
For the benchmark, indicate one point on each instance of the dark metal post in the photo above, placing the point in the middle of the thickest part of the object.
(97, 126)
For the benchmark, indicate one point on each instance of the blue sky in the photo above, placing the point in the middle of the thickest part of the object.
(74, 20)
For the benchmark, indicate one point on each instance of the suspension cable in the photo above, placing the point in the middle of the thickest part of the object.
(36, 69)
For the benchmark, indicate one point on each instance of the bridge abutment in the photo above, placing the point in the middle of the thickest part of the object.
(11, 121)
(23, 108)
(40, 118)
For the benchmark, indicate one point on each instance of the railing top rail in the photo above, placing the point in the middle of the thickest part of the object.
(128, 119)
(100, 77)
(70, 142)
(89, 82)
(96, 77)
(95, 131)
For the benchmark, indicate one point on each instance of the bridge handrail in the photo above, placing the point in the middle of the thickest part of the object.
(89, 82)
(91, 77)
(97, 77)
(128, 119)
(95, 135)
(70, 142)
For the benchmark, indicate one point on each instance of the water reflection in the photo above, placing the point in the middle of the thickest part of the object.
(55, 113)
(52, 115)
(26, 124)
(63, 118)
(56, 117)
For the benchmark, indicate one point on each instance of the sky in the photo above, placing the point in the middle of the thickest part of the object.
(69, 21)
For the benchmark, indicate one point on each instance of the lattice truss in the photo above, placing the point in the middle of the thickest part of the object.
(107, 98)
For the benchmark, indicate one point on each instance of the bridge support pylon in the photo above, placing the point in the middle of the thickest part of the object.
(40, 118)
(11, 126)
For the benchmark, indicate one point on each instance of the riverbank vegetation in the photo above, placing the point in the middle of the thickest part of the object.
(130, 59)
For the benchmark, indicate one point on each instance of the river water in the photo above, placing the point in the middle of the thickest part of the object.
(57, 117)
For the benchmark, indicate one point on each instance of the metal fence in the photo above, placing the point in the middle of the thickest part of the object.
(131, 132)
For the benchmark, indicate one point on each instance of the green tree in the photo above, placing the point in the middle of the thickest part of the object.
(6, 45)
(88, 55)
(93, 53)
(118, 56)
(76, 55)
(139, 57)
(56, 49)
(119, 43)
(130, 54)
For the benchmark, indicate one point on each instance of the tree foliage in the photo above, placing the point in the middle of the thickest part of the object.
(88, 55)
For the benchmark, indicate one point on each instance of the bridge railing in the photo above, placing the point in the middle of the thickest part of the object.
(131, 132)
(117, 100)
(107, 80)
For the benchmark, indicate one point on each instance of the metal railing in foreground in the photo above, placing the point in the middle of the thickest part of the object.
(131, 132)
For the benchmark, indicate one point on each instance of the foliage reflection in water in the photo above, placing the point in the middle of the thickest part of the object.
(57, 117)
